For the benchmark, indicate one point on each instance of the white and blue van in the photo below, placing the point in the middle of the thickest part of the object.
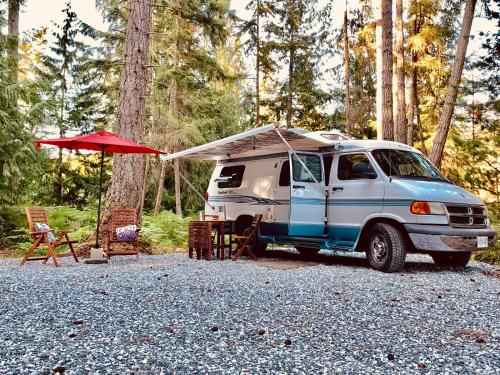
(383, 198)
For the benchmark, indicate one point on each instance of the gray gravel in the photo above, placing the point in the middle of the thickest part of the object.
(169, 314)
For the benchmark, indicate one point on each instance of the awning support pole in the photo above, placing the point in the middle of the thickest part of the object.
(192, 186)
(295, 154)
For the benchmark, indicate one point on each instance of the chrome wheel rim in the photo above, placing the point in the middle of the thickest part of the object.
(379, 248)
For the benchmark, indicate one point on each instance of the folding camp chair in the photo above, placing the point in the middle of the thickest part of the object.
(120, 218)
(247, 240)
(37, 216)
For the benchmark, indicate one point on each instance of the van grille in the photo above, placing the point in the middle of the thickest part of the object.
(466, 216)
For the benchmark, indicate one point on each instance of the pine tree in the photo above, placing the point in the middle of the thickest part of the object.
(456, 75)
(400, 126)
(127, 184)
(291, 39)
(183, 51)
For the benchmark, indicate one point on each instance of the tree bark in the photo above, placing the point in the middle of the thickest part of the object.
(257, 64)
(412, 89)
(347, 76)
(289, 99)
(13, 40)
(387, 57)
(400, 105)
(378, 67)
(451, 95)
(126, 187)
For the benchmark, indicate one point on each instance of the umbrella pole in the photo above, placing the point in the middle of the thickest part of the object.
(99, 207)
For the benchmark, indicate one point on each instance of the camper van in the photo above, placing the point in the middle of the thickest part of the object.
(327, 191)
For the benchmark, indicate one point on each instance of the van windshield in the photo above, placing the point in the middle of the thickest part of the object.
(407, 164)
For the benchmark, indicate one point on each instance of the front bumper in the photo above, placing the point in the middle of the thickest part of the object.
(446, 238)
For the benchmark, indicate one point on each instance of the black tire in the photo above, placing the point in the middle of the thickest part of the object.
(307, 251)
(242, 227)
(451, 259)
(386, 250)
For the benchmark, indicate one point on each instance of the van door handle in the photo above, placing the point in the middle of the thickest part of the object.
(299, 187)
(337, 188)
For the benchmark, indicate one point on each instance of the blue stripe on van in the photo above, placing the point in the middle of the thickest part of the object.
(248, 199)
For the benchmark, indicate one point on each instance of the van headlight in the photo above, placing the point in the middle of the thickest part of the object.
(427, 208)
(487, 216)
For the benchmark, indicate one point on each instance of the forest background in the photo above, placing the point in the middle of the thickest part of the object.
(217, 68)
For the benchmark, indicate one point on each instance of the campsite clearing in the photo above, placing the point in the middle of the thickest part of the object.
(177, 315)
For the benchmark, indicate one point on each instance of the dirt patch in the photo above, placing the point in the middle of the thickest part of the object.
(281, 264)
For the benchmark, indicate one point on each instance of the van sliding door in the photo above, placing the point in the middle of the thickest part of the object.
(307, 195)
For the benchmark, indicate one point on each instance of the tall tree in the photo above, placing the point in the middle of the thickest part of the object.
(451, 95)
(347, 75)
(399, 79)
(379, 68)
(386, 74)
(13, 35)
(126, 189)
(257, 62)
(295, 36)
(184, 46)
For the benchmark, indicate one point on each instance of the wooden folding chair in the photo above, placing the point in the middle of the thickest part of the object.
(247, 240)
(200, 239)
(122, 217)
(38, 215)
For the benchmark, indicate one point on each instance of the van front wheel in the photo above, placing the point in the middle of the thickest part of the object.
(386, 248)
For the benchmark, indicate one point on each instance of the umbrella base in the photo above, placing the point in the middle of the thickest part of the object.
(97, 256)
(96, 261)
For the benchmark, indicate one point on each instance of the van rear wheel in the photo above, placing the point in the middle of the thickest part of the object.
(386, 248)
(451, 259)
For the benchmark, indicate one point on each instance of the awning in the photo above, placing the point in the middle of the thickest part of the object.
(257, 141)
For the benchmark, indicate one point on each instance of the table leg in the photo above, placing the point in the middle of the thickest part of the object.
(221, 241)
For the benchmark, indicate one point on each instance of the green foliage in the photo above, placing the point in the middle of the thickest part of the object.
(165, 231)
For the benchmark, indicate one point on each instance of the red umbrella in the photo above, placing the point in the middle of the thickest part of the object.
(103, 142)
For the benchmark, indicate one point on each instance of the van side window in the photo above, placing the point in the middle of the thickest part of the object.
(285, 174)
(230, 177)
(313, 163)
(352, 167)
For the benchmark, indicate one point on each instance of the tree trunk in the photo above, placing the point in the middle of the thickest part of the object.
(13, 41)
(257, 65)
(160, 188)
(400, 105)
(126, 187)
(410, 112)
(289, 100)
(177, 178)
(174, 113)
(378, 67)
(347, 78)
(412, 89)
(387, 57)
(451, 95)
(161, 181)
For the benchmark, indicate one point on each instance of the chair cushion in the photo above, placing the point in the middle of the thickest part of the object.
(41, 227)
(128, 232)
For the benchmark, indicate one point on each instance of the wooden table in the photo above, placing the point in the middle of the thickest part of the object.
(219, 226)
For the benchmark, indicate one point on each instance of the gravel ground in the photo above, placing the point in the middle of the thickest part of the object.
(172, 315)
